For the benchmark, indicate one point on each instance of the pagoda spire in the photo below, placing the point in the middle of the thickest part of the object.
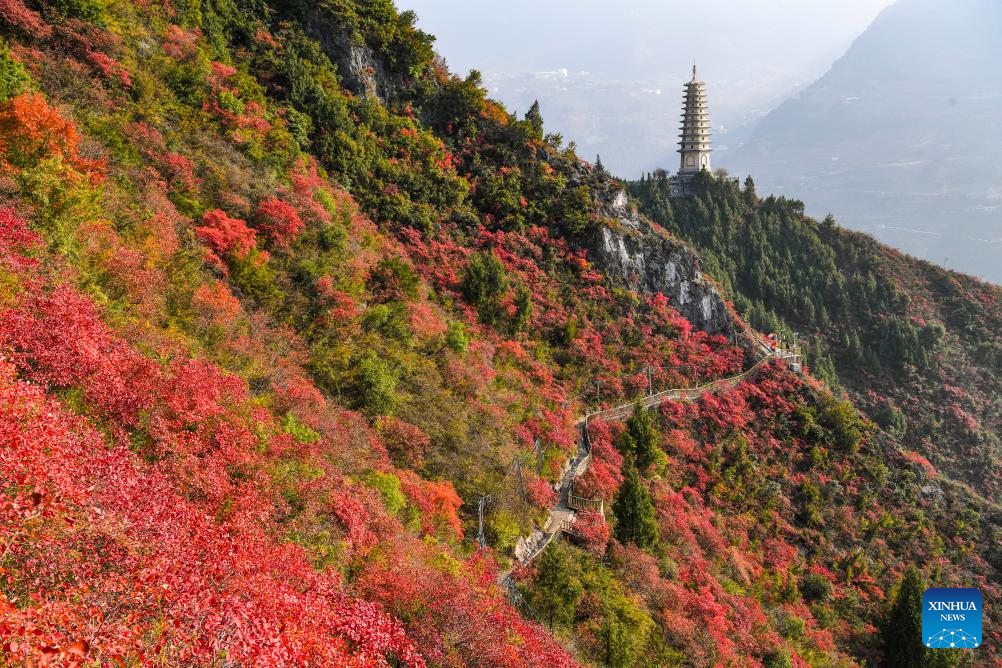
(694, 70)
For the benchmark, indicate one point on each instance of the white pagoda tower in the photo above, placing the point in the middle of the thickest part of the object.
(694, 142)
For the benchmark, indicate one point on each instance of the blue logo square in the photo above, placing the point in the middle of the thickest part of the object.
(951, 618)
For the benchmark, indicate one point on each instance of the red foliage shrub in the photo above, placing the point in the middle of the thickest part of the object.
(18, 15)
(921, 462)
(455, 617)
(115, 557)
(180, 44)
(425, 322)
(591, 529)
(226, 235)
(15, 240)
(406, 443)
(437, 501)
(109, 67)
(216, 304)
(58, 341)
(540, 492)
(604, 474)
(278, 220)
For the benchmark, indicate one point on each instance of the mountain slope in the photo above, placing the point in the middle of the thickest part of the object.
(898, 138)
(917, 345)
(282, 299)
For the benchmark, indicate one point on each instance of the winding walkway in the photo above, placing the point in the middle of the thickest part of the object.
(561, 515)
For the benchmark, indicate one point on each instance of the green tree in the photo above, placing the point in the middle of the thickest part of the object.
(557, 589)
(901, 629)
(484, 282)
(634, 511)
(14, 79)
(535, 120)
(751, 197)
(845, 424)
(640, 439)
(523, 309)
(375, 385)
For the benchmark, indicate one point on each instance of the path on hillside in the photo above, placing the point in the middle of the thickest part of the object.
(562, 516)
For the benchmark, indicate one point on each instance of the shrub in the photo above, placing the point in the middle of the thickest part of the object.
(375, 385)
(14, 79)
(816, 587)
(278, 220)
(484, 283)
(299, 431)
(503, 531)
(845, 424)
(406, 443)
(456, 337)
(392, 279)
(226, 235)
(388, 485)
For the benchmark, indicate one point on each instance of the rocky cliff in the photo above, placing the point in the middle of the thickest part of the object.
(642, 258)
(362, 71)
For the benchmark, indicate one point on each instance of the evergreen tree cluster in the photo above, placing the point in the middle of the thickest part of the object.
(788, 272)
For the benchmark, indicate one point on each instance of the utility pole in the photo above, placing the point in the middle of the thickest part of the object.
(520, 480)
(481, 538)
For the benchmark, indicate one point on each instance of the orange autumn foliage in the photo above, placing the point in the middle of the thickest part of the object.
(31, 130)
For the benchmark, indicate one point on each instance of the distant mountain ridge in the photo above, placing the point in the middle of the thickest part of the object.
(899, 138)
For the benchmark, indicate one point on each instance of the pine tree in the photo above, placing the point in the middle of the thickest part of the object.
(599, 167)
(751, 197)
(634, 511)
(556, 590)
(643, 437)
(901, 629)
(535, 120)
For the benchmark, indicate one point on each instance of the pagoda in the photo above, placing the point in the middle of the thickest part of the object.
(694, 140)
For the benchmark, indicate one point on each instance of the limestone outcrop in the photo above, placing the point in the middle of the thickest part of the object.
(639, 257)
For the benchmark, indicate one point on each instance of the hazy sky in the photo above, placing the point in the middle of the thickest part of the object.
(760, 48)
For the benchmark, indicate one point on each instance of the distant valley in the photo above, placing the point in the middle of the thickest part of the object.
(900, 138)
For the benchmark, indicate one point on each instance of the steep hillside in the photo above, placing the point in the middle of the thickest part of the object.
(281, 300)
(898, 138)
(918, 346)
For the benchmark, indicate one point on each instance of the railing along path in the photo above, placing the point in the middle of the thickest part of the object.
(562, 515)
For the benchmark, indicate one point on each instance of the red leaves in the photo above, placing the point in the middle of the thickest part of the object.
(921, 462)
(437, 501)
(456, 616)
(18, 15)
(225, 235)
(406, 443)
(80, 649)
(541, 494)
(15, 240)
(109, 67)
(58, 340)
(591, 529)
(220, 588)
(278, 220)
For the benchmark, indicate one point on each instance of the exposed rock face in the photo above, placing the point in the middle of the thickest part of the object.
(643, 259)
(362, 72)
